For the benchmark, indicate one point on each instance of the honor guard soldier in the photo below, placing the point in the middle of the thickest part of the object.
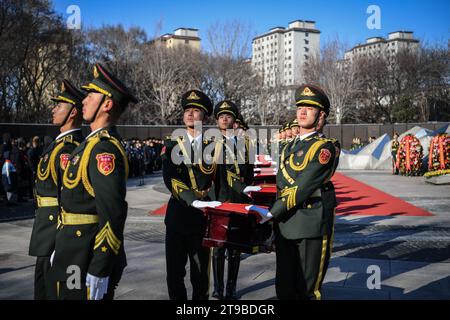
(67, 114)
(303, 216)
(189, 178)
(394, 149)
(294, 128)
(93, 206)
(232, 183)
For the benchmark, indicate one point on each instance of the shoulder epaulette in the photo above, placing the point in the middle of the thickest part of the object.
(104, 135)
(68, 139)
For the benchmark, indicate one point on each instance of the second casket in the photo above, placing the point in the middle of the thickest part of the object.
(231, 226)
(266, 196)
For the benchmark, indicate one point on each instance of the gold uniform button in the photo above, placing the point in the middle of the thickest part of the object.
(298, 163)
(78, 233)
(50, 217)
(70, 174)
(283, 199)
(309, 206)
(287, 162)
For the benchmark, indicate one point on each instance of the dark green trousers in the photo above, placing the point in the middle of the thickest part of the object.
(40, 278)
(180, 247)
(301, 267)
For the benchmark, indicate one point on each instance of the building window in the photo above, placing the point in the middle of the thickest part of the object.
(306, 41)
(290, 41)
(306, 49)
(306, 34)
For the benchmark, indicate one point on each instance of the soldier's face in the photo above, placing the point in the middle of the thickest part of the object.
(191, 115)
(225, 121)
(288, 133)
(295, 131)
(283, 135)
(90, 105)
(306, 116)
(60, 112)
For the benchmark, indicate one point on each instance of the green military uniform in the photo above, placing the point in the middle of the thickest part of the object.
(185, 225)
(229, 183)
(93, 206)
(304, 210)
(48, 181)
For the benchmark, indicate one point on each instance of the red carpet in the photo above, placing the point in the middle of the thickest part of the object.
(160, 211)
(359, 199)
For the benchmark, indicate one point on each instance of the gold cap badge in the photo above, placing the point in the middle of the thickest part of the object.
(307, 92)
(224, 105)
(193, 96)
(96, 75)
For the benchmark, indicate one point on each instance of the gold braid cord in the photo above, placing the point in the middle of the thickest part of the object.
(51, 167)
(82, 173)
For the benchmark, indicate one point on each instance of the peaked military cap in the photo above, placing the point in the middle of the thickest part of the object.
(286, 126)
(310, 95)
(227, 107)
(196, 99)
(241, 122)
(293, 123)
(106, 83)
(70, 94)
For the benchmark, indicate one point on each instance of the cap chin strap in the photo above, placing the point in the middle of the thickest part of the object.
(67, 116)
(316, 122)
(98, 108)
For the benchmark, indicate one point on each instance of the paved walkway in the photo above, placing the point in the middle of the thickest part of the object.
(412, 254)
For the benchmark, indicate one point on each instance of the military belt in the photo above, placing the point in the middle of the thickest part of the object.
(201, 193)
(73, 219)
(46, 201)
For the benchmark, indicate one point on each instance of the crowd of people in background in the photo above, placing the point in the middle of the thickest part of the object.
(143, 157)
(19, 159)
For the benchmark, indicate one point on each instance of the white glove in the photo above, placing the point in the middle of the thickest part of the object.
(98, 286)
(51, 258)
(263, 213)
(257, 169)
(205, 204)
(249, 189)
